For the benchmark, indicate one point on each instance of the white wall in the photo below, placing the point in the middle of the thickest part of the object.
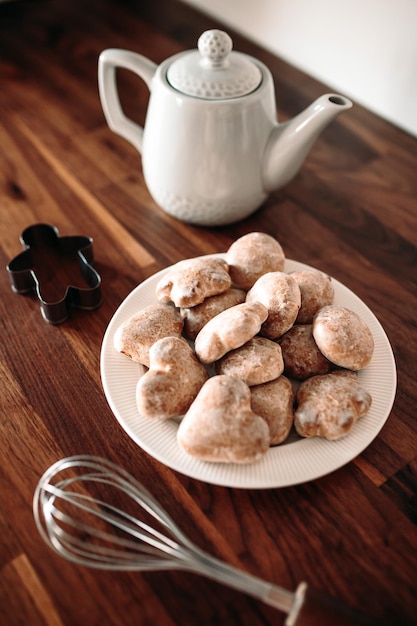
(364, 49)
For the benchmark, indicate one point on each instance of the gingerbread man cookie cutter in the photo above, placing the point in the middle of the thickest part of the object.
(59, 269)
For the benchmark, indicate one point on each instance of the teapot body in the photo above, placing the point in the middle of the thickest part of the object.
(202, 158)
(212, 149)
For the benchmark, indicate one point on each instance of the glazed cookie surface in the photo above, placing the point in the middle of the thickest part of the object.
(220, 426)
(135, 336)
(253, 255)
(316, 292)
(258, 361)
(274, 402)
(330, 405)
(229, 330)
(173, 380)
(190, 281)
(343, 337)
(197, 316)
(280, 293)
(300, 353)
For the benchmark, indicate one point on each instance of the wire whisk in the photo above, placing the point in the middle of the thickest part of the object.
(92, 530)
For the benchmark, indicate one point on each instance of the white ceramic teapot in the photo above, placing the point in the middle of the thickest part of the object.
(212, 149)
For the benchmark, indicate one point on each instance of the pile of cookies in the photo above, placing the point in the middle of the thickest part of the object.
(246, 352)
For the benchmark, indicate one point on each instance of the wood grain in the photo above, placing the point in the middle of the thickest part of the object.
(351, 211)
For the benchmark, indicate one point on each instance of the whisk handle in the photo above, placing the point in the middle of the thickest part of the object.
(314, 608)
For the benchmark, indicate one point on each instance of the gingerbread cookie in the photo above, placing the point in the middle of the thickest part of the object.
(197, 316)
(253, 255)
(189, 282)
(221, 427)
(302, 358)
(274, 402)
(135, 336)
(258, 361)
(343, 337)
(229, 330)
(330, 405)
(173, 380)
(280, 293)
(316, 292)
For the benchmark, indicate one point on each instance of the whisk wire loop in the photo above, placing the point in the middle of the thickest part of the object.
(112, 515)
(141, 546)
(154, 549)
(55, 518)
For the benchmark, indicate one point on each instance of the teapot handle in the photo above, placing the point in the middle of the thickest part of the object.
(109, 60)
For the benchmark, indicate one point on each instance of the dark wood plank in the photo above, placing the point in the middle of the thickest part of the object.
(351, 212)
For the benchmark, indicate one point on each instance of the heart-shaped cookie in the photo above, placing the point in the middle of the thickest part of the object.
(173, 380)
(220, 425)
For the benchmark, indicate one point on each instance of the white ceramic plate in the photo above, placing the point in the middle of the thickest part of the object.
(299, 460)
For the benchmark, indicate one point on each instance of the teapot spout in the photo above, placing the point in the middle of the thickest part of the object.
(290, 142)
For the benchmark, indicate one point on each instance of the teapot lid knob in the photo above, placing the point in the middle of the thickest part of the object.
(214, 46)
(214, 71)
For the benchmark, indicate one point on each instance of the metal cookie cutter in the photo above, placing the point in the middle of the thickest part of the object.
(59, 270)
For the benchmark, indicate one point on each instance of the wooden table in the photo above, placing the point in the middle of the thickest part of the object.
(351, 212)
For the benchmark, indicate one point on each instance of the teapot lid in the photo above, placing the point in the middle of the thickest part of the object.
(214, 72)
